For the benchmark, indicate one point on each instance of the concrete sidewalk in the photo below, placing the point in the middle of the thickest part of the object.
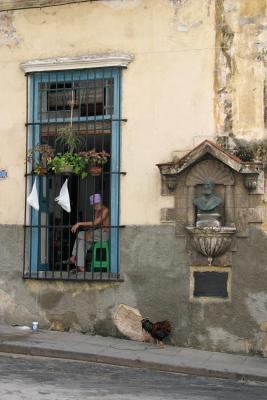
(108, 350)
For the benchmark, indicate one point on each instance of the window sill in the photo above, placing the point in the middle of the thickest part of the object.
(88, 277)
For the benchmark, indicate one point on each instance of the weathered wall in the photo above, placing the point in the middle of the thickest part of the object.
(89, 307)
(240, 70)
(170, 80)
(20, 4)
(156, 280)
(240, 73)
(168, 99)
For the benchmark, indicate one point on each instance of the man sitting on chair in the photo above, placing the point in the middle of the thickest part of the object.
(97, 232)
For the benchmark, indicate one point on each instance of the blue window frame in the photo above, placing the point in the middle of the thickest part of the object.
(89, 102)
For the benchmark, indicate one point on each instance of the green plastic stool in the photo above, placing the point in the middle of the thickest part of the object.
(100, 257)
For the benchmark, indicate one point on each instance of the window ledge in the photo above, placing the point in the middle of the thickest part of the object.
(70, 63)
(73, 279)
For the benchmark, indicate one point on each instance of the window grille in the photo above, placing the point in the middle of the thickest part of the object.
(85, 105)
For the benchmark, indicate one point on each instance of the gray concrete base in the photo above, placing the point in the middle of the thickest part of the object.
(155, 269)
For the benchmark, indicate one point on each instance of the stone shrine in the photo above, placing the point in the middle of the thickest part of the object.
(206, 184)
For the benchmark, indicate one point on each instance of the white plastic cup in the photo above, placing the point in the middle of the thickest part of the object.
(35, 326)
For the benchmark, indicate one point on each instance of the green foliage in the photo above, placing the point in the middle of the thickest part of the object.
(68, 160)
(39, 156)
(92, 157)
(245, 154)
(68, 138)
(72, 161)
(39, 168)
(251, 150)
(45, 152)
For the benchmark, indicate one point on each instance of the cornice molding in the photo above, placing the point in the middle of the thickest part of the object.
(70, 63)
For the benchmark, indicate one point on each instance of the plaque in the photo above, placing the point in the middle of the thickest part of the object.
(210, 284)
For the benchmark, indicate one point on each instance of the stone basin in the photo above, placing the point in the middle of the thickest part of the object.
(211, 241)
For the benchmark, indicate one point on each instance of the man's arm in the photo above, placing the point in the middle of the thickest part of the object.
(79, 225)
(96, 221)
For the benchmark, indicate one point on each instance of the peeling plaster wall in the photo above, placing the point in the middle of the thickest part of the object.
(240, 70)
(241, 48)
(169, 81)
(8, 33)
(24, 4)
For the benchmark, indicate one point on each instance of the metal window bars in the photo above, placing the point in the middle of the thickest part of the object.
(86, 103)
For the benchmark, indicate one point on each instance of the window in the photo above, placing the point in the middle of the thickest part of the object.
(73, 113)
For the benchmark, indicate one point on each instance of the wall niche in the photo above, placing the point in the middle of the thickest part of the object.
(211, 189)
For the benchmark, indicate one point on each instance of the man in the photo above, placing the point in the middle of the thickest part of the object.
(97, 231)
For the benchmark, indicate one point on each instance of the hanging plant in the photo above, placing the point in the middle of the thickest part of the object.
(68, 163)
(95, 160)
(40, 155)
(69, 139)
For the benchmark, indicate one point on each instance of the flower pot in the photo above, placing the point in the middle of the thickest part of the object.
(68, 169)
(95, 170)
(40, 171)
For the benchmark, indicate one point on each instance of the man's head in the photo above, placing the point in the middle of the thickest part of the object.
(96, 200)
(208, 186)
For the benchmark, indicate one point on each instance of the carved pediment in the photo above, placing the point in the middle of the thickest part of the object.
(216, 152)
(215, 170)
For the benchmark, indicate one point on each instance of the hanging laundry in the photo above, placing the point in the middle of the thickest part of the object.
(33, 198)
(63, 199)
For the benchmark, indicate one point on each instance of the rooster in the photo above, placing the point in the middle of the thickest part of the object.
(158, 330)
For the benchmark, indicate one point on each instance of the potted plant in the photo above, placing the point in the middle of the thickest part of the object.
(69, 139)
(40, 163)
(244, 153)
(68, 163)
(95, 160)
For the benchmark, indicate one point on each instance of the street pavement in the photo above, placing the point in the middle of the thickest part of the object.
(109, 350)
(37, 378)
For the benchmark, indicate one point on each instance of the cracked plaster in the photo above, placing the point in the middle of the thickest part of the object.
(186, 18)
(257, 306)
(232, 343)
(239, 75)
(8, 33)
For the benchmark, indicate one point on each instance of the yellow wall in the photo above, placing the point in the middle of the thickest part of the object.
(246, 20)
(167, 90)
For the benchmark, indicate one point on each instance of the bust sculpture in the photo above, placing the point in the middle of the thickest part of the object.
(207, 215)
(208, 201)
